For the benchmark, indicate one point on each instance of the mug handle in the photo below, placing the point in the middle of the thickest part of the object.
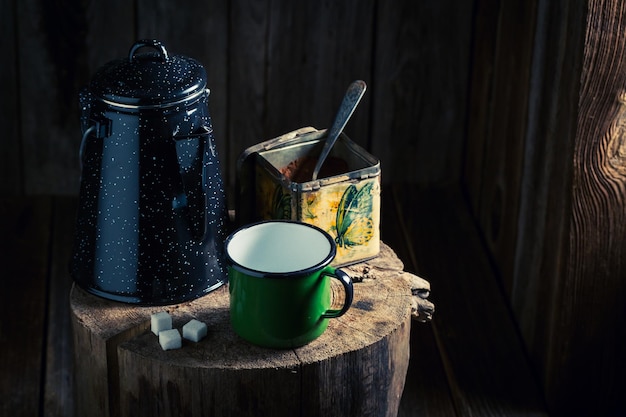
(346, 281)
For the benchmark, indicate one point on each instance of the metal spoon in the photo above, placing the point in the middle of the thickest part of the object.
(348, 104)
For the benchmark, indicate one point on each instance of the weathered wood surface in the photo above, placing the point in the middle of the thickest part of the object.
(273, 66)
(420, 87)
(11, 167)
(58, 376)
(357, 367)
(496, 130)
(452, 371)
(470, 360)
(590, 287)
(546, 178)
(24, 272)
(36, 364)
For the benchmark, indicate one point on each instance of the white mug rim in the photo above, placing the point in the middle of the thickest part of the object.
(267, 274)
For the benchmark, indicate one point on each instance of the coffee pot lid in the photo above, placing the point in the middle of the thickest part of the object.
(149, 79)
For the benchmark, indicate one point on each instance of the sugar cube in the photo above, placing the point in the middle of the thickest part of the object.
(160, 321)
(170, 339)
(194, 330)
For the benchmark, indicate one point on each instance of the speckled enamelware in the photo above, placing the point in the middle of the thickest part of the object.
(151, 221)
(279, 283)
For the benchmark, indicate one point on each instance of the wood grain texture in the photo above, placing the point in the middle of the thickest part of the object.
(199, 30)
(272, 66)
(420, 89)
(496, 139)
(480, 110)
(58, 395)
(10, 141)
(357, 367)
(55, 61)
(24, 253)
(560, 256)
(545, 201)
(427, 390)
(315, 49)
(51, 42)
(487, 370)
(592, 288)
(290, 65)
(247, 73)
(110, 30)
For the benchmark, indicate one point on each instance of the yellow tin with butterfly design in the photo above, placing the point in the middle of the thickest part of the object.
(274, 182)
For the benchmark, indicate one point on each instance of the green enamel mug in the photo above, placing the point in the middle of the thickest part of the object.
(279, 282)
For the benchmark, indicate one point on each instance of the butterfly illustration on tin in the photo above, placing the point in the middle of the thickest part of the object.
(354, 216)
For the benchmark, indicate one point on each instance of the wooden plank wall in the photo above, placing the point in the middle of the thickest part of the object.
(273, 66)
(520, 100)
(25, 259)
(592, 288)
(545, 175)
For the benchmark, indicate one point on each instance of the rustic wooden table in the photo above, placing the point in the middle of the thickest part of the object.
(356, 368)
(468, 361)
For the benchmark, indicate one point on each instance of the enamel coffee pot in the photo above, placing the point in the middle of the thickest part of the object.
(152, 218)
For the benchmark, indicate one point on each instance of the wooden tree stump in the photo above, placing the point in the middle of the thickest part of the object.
(356, 368)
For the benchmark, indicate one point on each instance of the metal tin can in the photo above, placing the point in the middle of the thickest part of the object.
(273, 182)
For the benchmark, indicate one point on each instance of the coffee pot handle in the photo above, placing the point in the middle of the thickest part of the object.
(97, 128)
(191, 164)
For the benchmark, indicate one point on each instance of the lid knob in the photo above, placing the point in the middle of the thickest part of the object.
(149, 43)
(155, 79)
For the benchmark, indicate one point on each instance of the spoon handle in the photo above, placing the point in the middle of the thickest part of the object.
(348, 104)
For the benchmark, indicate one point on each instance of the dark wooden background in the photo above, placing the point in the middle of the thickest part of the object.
(273, 66)
(519, 103)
